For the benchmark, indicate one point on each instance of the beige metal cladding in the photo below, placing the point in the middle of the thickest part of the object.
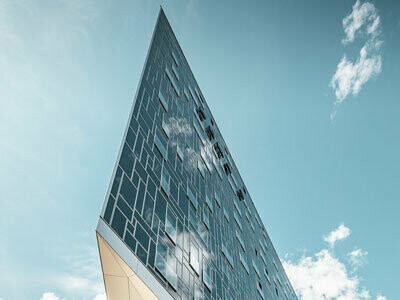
(120, 280)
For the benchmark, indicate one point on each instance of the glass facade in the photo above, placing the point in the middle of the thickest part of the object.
(176, 198)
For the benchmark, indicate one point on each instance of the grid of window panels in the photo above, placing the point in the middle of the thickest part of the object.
(176, 198)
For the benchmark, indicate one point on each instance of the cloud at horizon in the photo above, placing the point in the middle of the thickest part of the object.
(324, 276)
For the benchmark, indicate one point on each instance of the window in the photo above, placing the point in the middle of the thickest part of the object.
(198, 130)
(166, 265)
(161, 144)
(166, 128)
(194, 98)
(263, 248)
(210, 133)
(256, 269)
(263, 258)
(218, 169)
(239, 238)
(165, 181)
(247, 216)
(252, 227)
(227, 169)
(175, 71)
(203, 234)
(194, 257)
(193, 218)
(201, 167)
(232, 184)
(209, 203)
(243, 262)
(218, 151)
(266, 275)
(227, 254)
(186, 94)
(259, 289)
(200, 114)
(198, 295)
(236, 217)
(206, 218)
(240, 195)
(192, 197)
(226, 215)
(175, 58)
(179, 152)
(163, 100)
(207, 276)
(170, 226)
(237, 207)
(172, 80)
(276, 267)
(217, 199)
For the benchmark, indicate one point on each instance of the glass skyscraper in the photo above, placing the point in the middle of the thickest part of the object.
(178, 221)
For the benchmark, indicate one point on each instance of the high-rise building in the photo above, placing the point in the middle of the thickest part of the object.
(178, 221)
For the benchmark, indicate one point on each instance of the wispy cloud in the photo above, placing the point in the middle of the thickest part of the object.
(350, 75)
(49, 296)
(338, 234)
(84, 277)
(361, 15)
(325, 276)
(358, 257)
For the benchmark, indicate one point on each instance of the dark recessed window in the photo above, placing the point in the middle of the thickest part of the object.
(218, 151)
(210, 133)
(227, 169)
(240, 195)
(201, 114)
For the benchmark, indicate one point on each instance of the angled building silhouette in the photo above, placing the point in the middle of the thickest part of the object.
(178, 221)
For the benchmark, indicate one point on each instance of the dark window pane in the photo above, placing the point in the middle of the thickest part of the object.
(130, 138)
(151, 188)
(148, 209)
(109, 209)
(142, 236)
(183, 200)
(140, 197)
(127, 160)
(128, 191)
(152, 253)
(142, 254)
(118, 222)
(127, 211)
(117, 180)
(130, 241)
(161, 206)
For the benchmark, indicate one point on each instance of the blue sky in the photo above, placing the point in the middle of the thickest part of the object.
(310, 118)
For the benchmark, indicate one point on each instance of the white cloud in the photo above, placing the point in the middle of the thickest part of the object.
(49, 296)
(179, 126)
(360, 16)
(52, 296)
(323, 276)
(103, 297)
(357, 257)
(339, 233)
(351, 75)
